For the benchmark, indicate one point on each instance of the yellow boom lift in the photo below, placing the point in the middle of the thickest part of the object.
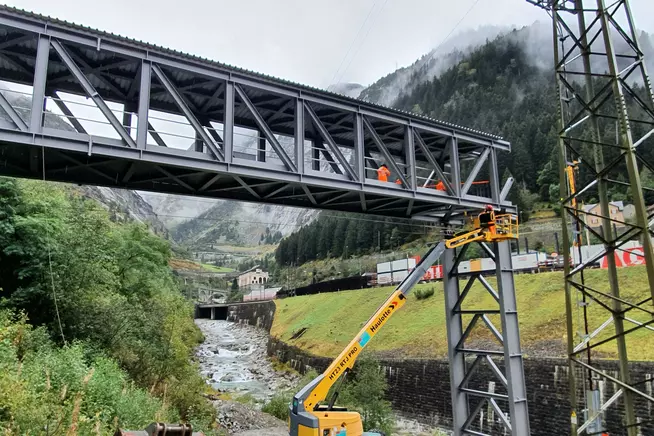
(309, 416)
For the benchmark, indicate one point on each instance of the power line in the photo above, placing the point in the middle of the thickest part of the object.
(420, 225)
(363, 40)
(352, 44)
(456, 25)
(392, 223)
(52, 283)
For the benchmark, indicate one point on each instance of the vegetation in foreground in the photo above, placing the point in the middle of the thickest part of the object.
(419, 330)
(94, 332)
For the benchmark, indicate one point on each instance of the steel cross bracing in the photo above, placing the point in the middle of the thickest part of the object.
(606, 125)
(489, 394)
(153, 119)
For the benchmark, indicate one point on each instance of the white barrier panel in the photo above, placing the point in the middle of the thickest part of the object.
(384, 279)
(383, 267)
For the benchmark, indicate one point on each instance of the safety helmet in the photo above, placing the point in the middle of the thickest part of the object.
(489, 207)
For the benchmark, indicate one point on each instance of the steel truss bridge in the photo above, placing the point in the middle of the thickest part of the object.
(88, 107)
(171, 122)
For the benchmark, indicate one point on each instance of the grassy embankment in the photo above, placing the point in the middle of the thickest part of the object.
(418, 330)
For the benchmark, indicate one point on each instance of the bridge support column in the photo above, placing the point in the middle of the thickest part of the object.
(213, 313)
(487, 380)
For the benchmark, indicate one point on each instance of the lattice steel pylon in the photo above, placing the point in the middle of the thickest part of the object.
(489, 394)
(606, 123)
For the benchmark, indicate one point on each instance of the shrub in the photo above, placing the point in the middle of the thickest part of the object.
(117, 300)
(423, 294)
(278, 405)
(365, 394)
(56, 388)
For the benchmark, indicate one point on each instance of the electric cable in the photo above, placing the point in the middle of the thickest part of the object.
(444, 40)
(52, 283)
(363, 41)
(352, 44)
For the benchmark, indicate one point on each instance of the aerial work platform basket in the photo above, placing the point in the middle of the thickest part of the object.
(487, 227)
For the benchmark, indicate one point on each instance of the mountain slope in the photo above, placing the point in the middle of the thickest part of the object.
(386, 90)
(535, 40)
(175, 209)
(237, 223)
(506, 87)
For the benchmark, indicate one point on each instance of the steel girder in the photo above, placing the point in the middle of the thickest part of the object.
(308, 148)
(483, 375)
(598, 59)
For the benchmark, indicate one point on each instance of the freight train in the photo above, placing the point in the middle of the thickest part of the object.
(629, 254)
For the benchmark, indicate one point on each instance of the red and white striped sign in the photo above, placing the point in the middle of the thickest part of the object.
(628, 257)
(433, 273)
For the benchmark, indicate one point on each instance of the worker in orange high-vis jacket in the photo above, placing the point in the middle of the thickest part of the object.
(440, 186)
(382, 173)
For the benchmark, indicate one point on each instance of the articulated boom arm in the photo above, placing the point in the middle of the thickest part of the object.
(308, 417)
(317, 390)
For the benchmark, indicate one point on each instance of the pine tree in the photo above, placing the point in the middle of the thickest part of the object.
(364, 237)
(338, 242)
(350, 246)
(395, 238)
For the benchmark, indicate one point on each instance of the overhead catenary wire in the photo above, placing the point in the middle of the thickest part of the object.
(395, 221)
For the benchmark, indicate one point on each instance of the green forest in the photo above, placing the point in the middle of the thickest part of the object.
(341, 235)
(493, 89)
(94, 332)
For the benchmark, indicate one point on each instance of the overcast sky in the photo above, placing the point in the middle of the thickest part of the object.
(315, 42)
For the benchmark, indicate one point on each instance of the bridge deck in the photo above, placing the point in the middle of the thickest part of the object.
(106, 110)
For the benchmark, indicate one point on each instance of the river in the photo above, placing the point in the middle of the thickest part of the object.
(233, 359)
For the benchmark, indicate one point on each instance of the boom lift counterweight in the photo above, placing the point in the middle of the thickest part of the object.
(308, 416)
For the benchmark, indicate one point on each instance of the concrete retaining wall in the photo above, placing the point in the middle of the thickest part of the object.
(421, 389)
(260, 314)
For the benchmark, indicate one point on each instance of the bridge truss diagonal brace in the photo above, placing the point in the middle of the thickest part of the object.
(92, 93)
(181, 104)
(475, 171)
(384, 150)
(13, 115)
(320, 146)
(434, 163)
(464, 417)
(330, 142)
(263, 127)
(68, 113)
